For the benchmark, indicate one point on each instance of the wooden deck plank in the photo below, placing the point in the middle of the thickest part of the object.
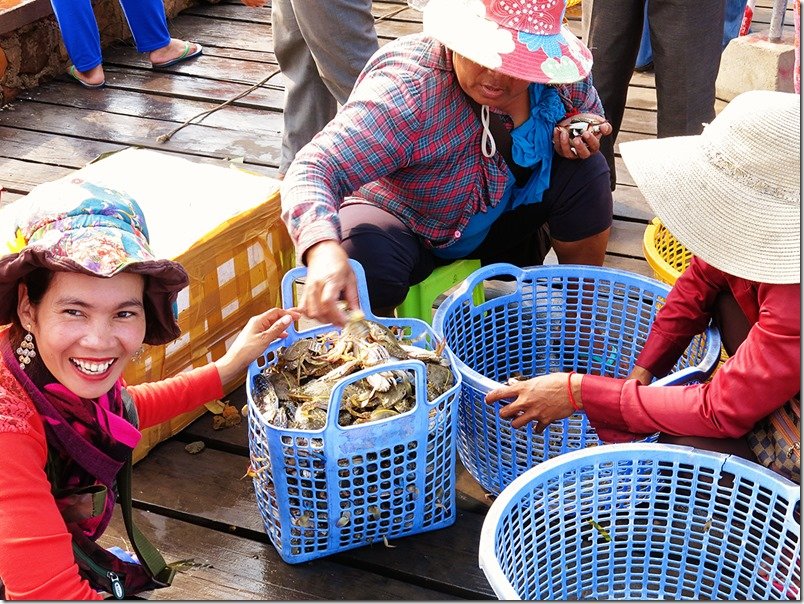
(198, 140)
(167, 481)
(221, 566)
(21, 176)
(53, 150)
(161, 107)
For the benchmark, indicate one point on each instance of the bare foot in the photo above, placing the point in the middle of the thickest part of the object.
(92, 77)
(176, 51)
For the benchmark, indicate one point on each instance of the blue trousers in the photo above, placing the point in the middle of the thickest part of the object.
(733, 18)
(79, 29)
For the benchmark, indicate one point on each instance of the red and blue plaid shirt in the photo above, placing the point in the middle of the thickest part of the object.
(408, 141)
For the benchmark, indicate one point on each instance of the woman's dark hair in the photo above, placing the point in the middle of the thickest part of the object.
(37, 282)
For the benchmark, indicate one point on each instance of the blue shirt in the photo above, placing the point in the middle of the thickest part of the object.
(532, 147)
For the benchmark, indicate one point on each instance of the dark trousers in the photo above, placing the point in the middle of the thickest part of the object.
(686, 37)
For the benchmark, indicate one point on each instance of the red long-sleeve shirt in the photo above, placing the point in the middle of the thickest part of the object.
(36, 557)
(763, 374)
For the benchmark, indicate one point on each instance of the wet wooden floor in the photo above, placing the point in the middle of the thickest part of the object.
(199, 508)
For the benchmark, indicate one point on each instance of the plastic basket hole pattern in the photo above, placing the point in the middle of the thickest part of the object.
(265, 491)
(671, 250)
(377, 493)
(668, 530)
(553, 323)
(314, 503)
(665, 254)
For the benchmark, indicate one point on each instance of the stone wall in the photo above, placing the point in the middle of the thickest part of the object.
(32, 51)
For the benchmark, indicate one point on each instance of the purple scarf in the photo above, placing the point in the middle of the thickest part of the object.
(91, 436)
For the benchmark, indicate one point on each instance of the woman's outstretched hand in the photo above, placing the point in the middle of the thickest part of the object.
(540, 400)
(329, 278)
(252, 341)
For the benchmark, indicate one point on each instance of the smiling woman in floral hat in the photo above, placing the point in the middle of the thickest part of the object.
(82, 292)
(454, 144)
(732, 196)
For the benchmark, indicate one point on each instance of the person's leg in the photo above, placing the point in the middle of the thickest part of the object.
(148, 24)
(79, 30)
(644, 60)
(341, 37)
(686, 36)
(580, 209)
(615, 30)
(731, 322)
(732, 20)
(392, 256)
(732, 446)
(309, 105)
(574, 217)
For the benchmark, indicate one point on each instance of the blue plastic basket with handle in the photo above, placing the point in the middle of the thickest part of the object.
(557, 318)
(341, 487)
(688, 525)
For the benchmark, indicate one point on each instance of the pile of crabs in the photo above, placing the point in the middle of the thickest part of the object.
(294, 392)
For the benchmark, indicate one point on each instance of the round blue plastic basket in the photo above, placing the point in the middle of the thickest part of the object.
(557, 318)
(337, 488)
(687, 524)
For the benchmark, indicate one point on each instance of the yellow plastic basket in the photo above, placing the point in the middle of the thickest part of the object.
(665, 254)
(668, 258)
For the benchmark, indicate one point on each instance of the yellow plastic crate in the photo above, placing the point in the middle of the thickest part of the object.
(223, 226)
(665, 254)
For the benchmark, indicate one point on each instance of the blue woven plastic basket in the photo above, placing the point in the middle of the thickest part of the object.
(545, 326)
(688, 524)
(324, 491)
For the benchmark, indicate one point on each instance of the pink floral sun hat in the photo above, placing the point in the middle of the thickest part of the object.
(525, 39)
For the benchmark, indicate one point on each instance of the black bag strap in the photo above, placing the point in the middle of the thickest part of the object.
(147, 554)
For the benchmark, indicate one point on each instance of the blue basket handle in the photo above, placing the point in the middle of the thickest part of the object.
(293, 274)
(420, 381)
(703, 369)
(486, 272)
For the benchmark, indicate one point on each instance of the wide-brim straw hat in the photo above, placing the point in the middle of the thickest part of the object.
(525, 39)
(76, 226)
(732, 195)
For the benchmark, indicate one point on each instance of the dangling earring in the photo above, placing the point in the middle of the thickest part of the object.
(26, 350)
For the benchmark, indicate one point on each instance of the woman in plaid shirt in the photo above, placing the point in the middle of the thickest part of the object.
(454, 144)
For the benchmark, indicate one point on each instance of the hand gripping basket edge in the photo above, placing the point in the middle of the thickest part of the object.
(325, 491)
(687, 524)
(532, 331)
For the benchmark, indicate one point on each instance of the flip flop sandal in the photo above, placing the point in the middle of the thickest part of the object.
(183, 56)
(74, 74)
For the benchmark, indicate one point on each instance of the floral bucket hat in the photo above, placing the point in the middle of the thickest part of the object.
(525, 39)
(77, 226)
